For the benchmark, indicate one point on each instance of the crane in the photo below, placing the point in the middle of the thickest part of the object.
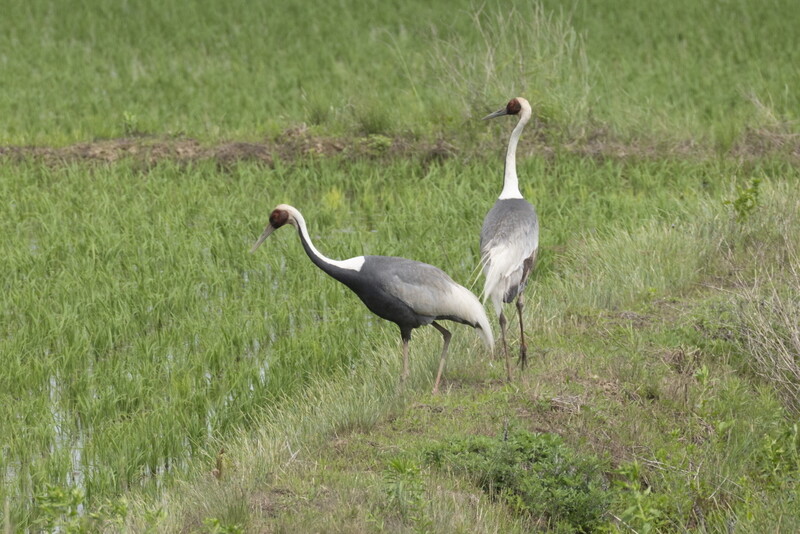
(510, 236)
(406, 292)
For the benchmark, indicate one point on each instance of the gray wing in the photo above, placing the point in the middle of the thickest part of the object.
(424, 288)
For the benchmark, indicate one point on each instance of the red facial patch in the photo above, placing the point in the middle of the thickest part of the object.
(513, 107)
(278, 218)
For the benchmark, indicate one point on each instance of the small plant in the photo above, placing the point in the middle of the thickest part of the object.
(703, 376)
(58, 508)
(377, 144)
(63, 509)
(215, 526)
(536, 474)
(780, 456)
(405, 492)
(746, 201)
(111, 512)
(642, 511)
(130, 123)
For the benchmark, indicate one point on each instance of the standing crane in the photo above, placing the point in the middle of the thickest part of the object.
(408, 293)
(510, 237)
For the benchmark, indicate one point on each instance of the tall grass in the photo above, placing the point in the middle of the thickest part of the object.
(765, 299)
(769, 330)
(705, 68)
(519, 51)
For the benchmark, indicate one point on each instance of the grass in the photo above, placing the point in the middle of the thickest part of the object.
(156, 376)
(683, 72)
(651, 383)
(534, 473)
(700, 67)
(107, 307)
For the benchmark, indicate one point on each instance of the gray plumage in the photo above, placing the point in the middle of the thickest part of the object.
(510, 227)
(404, 291)
(407, 292)
(509, 240)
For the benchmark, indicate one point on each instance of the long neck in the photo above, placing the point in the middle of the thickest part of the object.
(335, 268)
(510, 180)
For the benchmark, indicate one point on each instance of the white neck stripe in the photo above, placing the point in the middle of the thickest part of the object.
(353, 264)
(510, 180)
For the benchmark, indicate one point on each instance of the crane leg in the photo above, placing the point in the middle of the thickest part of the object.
(523, 348)
(404, 375)
(503, 325)
(446, 335)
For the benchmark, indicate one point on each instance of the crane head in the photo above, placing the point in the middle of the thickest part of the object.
(513, 107)
(280, 215)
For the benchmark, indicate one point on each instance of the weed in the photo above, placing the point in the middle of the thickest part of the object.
(535, 474)
(779, 459)
(215, 526)
(642, 508)
(746, 200)
(130, 124)
(406, 493)
(64, 509)
(58, 507)
(377, 144)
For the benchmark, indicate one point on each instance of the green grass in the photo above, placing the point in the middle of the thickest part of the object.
(683, 71)
(139, 334)
(650, 381)
(706, 67)
(535, 474)
(155, 375)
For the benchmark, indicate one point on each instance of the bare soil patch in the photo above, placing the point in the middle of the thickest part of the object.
(291, 145)
(297, 143)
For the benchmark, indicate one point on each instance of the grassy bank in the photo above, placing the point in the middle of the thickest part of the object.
(647, 374)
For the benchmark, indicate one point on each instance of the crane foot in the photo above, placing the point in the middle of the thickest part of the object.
(523, 356)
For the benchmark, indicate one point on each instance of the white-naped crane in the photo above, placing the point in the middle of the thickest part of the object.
(510, 237)
(408, 293)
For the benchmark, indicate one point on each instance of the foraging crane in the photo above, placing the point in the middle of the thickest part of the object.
(406, 292)
(510, 236)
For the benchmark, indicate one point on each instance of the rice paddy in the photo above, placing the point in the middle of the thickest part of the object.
(138, 336)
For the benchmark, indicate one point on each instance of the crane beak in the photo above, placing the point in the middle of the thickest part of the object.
(268, 230)
(498, 113)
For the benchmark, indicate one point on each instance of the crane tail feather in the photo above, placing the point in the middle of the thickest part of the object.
(485, 333)
(466, 306)
(503, 274)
